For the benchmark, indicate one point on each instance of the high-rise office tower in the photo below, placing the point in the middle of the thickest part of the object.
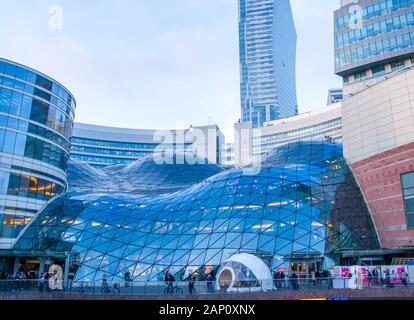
(267, 60)
(373, 38)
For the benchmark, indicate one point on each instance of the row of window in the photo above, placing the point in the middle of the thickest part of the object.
(379, 9)
(103, 160)
(299, 132)
(30, 147)
(408, 193)
(124, 145)
(377, 72)
(12, 225)
(374, 29)
(18, 104)
(38, 80)
(374, 49)
(34, 172)
(26, 126)
(30, 90)
(111, 152)
(331, 134)
(25, 186)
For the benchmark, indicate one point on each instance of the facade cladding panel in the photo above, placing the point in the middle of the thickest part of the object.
(378, 138)
(304, 201)
(36, 122)
(268, 60)
(380, 178)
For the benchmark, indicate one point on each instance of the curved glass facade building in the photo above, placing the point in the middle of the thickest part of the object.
(36, 121)
(322, 124)
(303, 203)
(105, 146)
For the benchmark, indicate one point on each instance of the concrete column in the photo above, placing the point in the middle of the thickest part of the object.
(41, 267)
(66, 272)
(16, 265)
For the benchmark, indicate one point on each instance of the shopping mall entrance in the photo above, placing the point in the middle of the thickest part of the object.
(304, 265)
(33, 264)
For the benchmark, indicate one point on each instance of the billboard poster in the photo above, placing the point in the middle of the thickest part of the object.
(353, 277)
(395, 273)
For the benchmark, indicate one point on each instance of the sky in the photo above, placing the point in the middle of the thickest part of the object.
(158, 64)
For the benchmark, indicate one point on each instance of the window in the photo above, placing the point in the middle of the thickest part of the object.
(378, 71)
(407, 180)
(397, 65)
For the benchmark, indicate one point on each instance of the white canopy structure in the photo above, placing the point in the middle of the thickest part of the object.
(243, 273)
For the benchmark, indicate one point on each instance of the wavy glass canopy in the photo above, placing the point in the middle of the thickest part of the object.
(145, 218)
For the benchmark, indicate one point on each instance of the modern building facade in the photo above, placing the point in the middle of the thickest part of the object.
(324, 124)
(297, 213)
(374, 53)
(373, 39)
(36, 122)
(104, 146)
(335, 96)
(267, 60)
(378, 138)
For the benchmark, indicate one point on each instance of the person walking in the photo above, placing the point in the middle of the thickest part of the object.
(278, 280)
(169, 280)
(313, 276)
(210, 285)
(295, 281)
(191, 284)
(42, 281)
(275, 277)
(331, 275)
(384, 278)
(394, 278)
(127, 278)
(404, 278)
(370, 278)
(282, 279)
(388, 278)
(375, 276)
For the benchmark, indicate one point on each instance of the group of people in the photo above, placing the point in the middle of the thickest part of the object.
(20, 275)
(387, 278)
(192, 279)
(19, 280)
(281, 280)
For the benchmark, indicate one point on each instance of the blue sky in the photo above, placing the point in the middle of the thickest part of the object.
(158, 64)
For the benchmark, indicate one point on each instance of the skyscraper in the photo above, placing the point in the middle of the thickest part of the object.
(267, 60)
(373, 39)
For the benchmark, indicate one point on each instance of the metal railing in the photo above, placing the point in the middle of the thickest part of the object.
(180, 288)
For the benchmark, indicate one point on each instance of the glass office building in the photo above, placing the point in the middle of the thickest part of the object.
(303, 204)
(373, 38)
(36, 121)
(323, 124)
(268, 61)
(102, 146)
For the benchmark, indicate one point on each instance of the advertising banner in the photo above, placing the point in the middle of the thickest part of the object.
(356, 276)
(395, 272)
